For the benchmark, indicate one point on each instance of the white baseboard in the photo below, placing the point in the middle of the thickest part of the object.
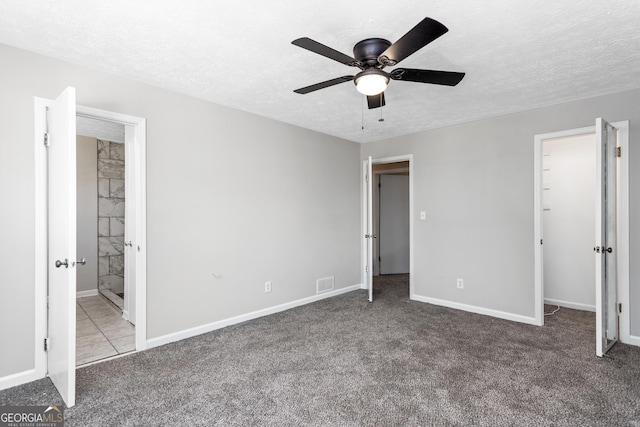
(567, 304)
(89, 293)
(477, 310)
(633, 340)
(19, 378)
(198, 330)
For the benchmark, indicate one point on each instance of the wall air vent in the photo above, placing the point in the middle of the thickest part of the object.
(324, 285)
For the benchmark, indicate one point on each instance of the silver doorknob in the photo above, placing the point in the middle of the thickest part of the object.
(607, 250)
(129, 243)
(597, 249)
(60, 263)
(82, 261)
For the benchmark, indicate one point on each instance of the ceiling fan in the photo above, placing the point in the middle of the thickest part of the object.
(374, 54)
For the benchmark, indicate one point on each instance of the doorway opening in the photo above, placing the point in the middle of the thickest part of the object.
(103, 328)
(387, 220)
(568, 199)
(571, 208)
(391, 225)
(57, 260)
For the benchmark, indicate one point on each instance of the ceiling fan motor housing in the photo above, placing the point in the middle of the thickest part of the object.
(367, 51)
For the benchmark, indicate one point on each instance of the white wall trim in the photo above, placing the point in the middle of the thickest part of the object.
(634, 340)
(623, 222)
(84, 294)
(19, 378)
(572, 305)
(203, 329)
(623, 232)
(478, 310)
(41, 250)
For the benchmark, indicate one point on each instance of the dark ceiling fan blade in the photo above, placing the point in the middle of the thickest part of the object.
(419, 36)
(448, 78)
(320, 49)
(376, 101)
(322, 85)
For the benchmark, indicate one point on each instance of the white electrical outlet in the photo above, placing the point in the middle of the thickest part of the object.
(267, 286)
(460, 283)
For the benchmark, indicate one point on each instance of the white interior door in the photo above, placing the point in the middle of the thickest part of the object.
(606, 233)
(369, 236)
(61, 160)
(393, 233)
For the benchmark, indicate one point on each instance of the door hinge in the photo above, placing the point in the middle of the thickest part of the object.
(46, 140)
(366, 177)
(366, 269)
(619, 151)
(619, 307)
(540, 241)
(47, 344)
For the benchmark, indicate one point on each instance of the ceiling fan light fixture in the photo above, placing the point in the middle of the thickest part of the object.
(371, 82)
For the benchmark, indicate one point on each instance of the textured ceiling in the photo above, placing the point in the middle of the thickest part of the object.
(518, 55)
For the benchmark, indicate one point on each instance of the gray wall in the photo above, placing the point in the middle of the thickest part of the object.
(227, 192)
(475, 181)
(87, 212)
(568, 220)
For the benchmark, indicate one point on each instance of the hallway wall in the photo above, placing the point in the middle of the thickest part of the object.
(87, 213)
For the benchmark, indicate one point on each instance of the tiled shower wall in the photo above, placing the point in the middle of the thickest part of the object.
(110, 216)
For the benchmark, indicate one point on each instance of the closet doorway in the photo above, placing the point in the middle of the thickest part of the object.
(568, 221)
(565, 235)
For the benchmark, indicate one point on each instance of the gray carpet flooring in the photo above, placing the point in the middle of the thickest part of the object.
(347, 362)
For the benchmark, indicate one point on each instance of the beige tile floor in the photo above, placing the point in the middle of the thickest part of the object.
(101, 331)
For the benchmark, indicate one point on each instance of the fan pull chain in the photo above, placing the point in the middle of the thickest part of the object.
(381, 119)
(363, 113)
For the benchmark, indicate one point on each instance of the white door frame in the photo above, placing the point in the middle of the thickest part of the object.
(363, 247)
(135, 146)
(377, 175)
(623, 221)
